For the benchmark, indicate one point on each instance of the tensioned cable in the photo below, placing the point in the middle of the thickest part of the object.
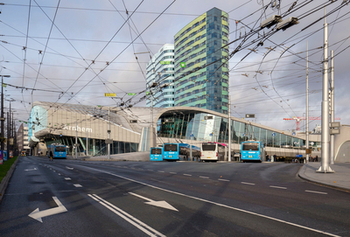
(127, 46)
(47, 42)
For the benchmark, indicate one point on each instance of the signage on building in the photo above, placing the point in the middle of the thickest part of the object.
(77, 128)
(250, 115)
(110, 94)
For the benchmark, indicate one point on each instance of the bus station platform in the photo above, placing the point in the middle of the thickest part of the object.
(340, 179)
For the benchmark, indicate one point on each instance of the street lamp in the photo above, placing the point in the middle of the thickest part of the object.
(2, 111)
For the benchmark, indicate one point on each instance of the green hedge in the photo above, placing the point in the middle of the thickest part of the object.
(6, 166)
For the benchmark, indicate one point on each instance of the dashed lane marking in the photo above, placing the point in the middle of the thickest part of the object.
(248, 183)
(277, 187)
(317, 192)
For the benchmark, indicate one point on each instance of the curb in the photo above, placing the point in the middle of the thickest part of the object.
(320, 183)
(6, 179)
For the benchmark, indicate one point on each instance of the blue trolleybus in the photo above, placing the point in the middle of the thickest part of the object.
(58, 151)
(179, 151)
(252, 151)
(156, 154)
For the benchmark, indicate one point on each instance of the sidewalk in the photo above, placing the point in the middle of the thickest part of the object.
(340, 179)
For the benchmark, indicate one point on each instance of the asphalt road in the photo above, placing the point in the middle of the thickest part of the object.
(81, 198)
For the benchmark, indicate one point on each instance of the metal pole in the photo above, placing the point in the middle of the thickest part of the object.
(2, 111)
(307, 101)
(109, 137)
(229, 128)
(76, 139)
(332, 108)
(325, 168)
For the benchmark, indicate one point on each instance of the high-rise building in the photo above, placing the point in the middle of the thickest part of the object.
(160, 78)
(201, 62)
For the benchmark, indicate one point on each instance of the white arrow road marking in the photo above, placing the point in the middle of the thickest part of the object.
(162, 204)
(30, 169)
(70, 168)
(37, 215)
(127, 217)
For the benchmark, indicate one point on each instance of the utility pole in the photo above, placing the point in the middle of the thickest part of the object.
(76, 139)
(229, 128)
(2, 111)
(325, 168)
(332, 108)
(307, 102)
(109, 138)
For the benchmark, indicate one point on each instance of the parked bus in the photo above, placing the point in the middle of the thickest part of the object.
(156, 154)
(58, 151)
(252, 151)
(179, 151)
(213, 151)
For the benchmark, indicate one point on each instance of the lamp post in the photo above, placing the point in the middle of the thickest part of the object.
(2, 111)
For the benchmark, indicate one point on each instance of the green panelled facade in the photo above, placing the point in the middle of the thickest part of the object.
(201, 62)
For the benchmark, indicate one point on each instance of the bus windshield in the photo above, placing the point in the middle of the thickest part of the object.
(60, 148)
(156, 151)
(170, 147)
(208, 147)
(250, 147)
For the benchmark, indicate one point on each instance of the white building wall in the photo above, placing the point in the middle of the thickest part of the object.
(160, 70)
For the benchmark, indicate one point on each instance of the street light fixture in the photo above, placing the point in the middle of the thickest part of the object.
(2, 111)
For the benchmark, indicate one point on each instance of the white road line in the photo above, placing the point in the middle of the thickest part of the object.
(247, 183)
(277, 187)
(225, 180)
(77, 185)
(317, 192)
(68, 178)
(126, 216)
(160, 171)
(150, 170)
(218, 204)
(203, 177)
(188, 174)
(172, 172)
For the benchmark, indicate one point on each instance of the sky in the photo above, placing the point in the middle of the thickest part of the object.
(74, 51)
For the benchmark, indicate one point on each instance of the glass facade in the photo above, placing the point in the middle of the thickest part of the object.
(194, 125)
(201, 62)
(92, 147)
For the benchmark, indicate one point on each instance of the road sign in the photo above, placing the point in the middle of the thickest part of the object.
(165, 62)
(250, 115)
(273, 134)
(110, 94)
(183, 64)
(131, 93)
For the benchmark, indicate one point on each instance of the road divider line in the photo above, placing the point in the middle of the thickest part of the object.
(126, 216)
(218, 204)
(188, 175)
(317, 192)
(224, 180)
(172, 172)
(248, 183)
(277, 187)
(203, 177)
(78, 185)
(67, 178)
